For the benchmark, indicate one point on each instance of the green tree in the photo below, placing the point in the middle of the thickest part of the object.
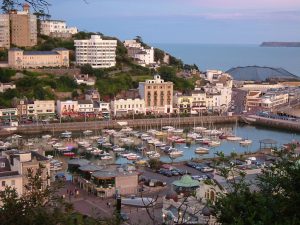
(87, 69)
(277, 200)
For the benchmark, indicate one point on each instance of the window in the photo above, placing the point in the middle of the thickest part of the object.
(2, 165)
(3, 183)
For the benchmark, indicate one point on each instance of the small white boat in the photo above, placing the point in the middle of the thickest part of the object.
(87, 132)
(47, 136)
(132, 156)
(150, 153)
(246, 142)
(176, 153)
(66, 134)
(107, 157)
(233, 138)
(177, 131)
(202, 150)
(168, 128)
(214, 143)
(199, 129)
(154, 156)
(119, 149)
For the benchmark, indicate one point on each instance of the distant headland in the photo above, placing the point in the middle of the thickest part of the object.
(280, 44)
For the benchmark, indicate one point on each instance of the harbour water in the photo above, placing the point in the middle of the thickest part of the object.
(245, 131)
(224, 57)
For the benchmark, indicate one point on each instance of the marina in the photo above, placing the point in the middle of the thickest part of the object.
(128, 145)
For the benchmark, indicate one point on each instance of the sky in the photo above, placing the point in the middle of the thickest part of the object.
(185, 21)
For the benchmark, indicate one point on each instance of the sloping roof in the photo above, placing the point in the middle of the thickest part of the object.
(258, 73)
(186, 181)
(40, 53)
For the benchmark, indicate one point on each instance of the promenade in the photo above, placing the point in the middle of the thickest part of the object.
(153, 123)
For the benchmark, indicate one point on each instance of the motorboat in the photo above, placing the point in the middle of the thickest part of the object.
(132, 156)
(87, 132)
(154, 156)
(180, 140)
(176, 153)
(107, 157)
(204, 141)
(46, 136)
(234, 138)
(168, 128)
(246, 142)
(69, 154)
(177, 131)
(66, 134)
(201, 150)
(214, 143)
(199, 129)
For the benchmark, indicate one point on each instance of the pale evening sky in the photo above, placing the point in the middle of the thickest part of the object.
(185, 21)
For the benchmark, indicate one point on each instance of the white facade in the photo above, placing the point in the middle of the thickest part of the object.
(8, 112)
(56, 26)
(6, 86)
(4, 31)
(84, 79)
(145, 56)
(41, 107)
(132, 44)
(67, 108)
(133, 106)
(97, 52)
(85, 106)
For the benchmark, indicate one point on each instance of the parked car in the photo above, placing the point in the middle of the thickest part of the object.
(207, 169)
(124, 216)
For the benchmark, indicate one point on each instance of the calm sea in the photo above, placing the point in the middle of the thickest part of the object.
(224, 57)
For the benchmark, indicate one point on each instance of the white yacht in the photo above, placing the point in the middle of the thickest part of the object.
(201, 150)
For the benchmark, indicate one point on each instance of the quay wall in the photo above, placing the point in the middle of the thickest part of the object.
(292, 126)
(155, 123)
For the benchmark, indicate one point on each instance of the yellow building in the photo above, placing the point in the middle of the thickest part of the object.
(158, 95)
(20, 59)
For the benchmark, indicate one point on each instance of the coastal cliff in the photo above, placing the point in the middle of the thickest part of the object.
(280, 44)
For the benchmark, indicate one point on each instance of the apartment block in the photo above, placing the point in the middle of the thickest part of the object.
(23, 27)
(97, 52)
(4, 31)
(128, 106)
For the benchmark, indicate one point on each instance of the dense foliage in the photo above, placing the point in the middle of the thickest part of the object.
(277, 200)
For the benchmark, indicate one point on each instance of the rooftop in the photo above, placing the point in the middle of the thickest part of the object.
(186, 181)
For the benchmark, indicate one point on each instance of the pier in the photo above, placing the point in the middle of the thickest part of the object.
(153, 123)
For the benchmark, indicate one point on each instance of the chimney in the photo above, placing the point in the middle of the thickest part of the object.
(26, 8)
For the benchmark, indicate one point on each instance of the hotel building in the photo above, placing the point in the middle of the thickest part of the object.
(20, 59)
(158, 95)
(97, 52)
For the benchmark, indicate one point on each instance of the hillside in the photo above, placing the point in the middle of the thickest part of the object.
(49, 84)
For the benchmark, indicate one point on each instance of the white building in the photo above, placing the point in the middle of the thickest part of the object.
(97, 52)
(49, 27)
(128, 106)
(9, 178)
(41, 108)
(67, 108)
(142, 55)
(6, 86)
(4, 31)
(8, 112)
(132, 44)
(85, 107)
(145, 56)
(84, 79)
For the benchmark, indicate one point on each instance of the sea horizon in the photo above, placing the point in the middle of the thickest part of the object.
(226, 56)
